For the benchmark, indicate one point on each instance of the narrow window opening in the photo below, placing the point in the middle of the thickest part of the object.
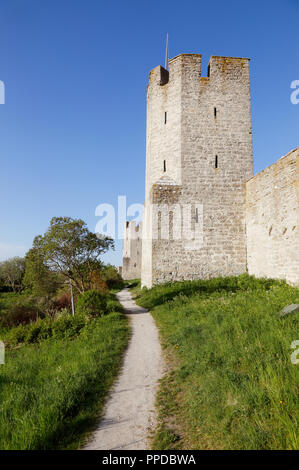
(164, 166)
(165, 117)
(215, 112)
(209, 70)
(196, 215)
(216, 161)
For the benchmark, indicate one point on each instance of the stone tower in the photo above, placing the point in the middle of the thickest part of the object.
(132, 248)
(198, 157)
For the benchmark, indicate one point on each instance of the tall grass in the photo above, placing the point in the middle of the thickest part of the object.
(52, 392)
(232, 383)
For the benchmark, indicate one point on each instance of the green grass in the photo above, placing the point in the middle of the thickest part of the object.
(134, 286)
(231, 383)
(51, 393)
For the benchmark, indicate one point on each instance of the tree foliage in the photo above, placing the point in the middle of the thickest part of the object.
(112, 277)
(38, 277)
(12, 272)
(69, 248)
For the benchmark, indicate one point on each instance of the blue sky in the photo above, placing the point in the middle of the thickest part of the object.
(72, 130)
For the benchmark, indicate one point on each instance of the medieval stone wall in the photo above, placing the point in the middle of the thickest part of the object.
(272, 220)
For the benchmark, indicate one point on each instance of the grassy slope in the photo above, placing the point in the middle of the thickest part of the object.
(232, 384)
(51, 392)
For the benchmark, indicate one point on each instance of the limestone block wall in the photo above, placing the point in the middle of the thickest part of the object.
(163, 145)
(200, 155)
(132, 251)
(272, 220)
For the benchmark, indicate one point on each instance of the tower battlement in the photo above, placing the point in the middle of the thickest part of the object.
(218, 66)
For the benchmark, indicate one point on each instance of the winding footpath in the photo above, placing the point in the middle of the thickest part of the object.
(130, 409)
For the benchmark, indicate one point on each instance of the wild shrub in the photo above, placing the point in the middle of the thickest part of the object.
(65, 326)
(68, 326)
(97, 281)
(112, 277)
(92, 303)
(113, 306)
(63, 301)
(20, 313)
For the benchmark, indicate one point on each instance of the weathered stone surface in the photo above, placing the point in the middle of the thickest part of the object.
(272, 220)
(293, 308)
(199, 154)
(184, 136)
(132, 250)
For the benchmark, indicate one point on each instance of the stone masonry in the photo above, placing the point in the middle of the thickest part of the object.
(132, 248)
(198, 157)
(272, 220)
(205, 214)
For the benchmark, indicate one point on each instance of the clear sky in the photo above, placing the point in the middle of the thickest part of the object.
(72, 130)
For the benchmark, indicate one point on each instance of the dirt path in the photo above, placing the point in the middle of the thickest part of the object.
(130, 414)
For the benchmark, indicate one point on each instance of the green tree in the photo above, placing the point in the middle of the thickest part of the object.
(12, 272)
(38, 277)
(70, 249)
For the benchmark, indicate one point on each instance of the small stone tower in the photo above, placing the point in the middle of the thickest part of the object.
(198, 157)
(132, 250)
